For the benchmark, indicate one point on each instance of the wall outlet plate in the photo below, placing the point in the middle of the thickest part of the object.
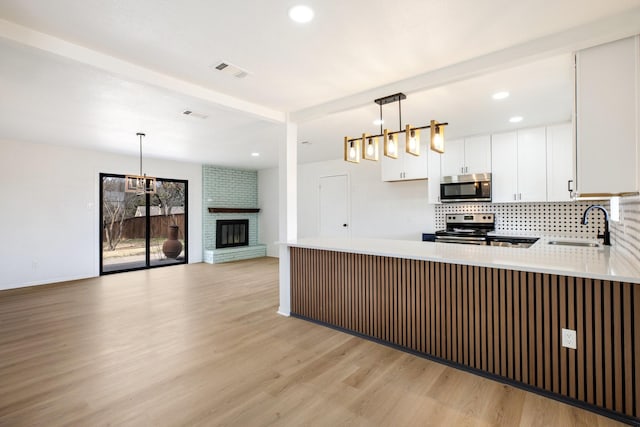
(569, 339)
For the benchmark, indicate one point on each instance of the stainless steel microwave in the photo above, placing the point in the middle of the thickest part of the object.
(466, 188)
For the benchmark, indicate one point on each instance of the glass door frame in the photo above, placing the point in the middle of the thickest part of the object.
(147, 226)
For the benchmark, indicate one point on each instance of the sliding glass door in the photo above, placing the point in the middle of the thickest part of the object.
(142, 230)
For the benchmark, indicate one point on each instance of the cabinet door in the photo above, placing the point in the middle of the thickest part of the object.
(504, 158)
(392, 169)
(477, 154)
(532, 169)
(434, 177)
(417, 167)
(560, 163)
(453, 158)
(607, 117)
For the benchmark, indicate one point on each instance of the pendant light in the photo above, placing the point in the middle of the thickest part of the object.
(437, 137)
(370, 150)
(140, 184)
(367, 146)
(412, 141)
(351, 150)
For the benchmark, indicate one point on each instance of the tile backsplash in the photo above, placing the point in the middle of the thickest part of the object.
(626, 232)
(557, 219)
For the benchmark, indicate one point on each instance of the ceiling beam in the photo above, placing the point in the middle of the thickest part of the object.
(613, 28)
(130, 71)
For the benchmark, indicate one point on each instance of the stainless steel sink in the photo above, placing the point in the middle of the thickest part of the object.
(574, 243)
(511, 242)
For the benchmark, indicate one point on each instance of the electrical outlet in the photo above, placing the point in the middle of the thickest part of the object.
(569, 338)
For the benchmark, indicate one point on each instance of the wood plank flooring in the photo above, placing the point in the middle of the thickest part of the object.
(202, 345)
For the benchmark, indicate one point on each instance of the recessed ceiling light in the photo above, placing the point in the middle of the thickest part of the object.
(500, 95)
(301, 14)
(255, 154)
(378, 122)
(515, 119)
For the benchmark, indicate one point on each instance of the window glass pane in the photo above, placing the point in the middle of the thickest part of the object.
(167, 220)
(123, 227)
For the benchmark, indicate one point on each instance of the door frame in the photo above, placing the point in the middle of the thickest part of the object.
(148, 226)
(318, 207)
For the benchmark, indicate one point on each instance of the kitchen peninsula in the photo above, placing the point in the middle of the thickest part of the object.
(493, 310)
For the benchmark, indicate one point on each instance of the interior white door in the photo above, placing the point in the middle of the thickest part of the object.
(334, 206)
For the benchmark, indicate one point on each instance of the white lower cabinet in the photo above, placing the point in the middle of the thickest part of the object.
(518, 162)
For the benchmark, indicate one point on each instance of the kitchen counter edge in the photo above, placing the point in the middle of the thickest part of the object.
(603, 263)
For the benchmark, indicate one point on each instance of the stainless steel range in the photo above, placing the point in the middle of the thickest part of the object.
(474, 229)
(471, 229)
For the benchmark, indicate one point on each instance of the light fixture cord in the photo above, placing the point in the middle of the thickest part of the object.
(381, 131)
(400, 113)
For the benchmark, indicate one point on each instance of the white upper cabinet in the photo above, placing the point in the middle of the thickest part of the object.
(406, 166)
(532, 158)
(504, 160)
(468, 155)
(560, 163)
(477, 154)
(392, 169)
(434, 177)
(519, 166)
(607, 118)
(452, 160)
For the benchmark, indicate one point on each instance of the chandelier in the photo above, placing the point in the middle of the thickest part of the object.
(140, 184)
(366, 146)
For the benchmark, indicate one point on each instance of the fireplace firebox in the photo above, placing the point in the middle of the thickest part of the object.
(231, 233)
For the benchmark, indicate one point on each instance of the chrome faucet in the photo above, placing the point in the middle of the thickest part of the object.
(606, 235)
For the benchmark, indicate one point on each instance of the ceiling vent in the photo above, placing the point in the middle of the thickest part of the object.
(192, 113)
(229, 68)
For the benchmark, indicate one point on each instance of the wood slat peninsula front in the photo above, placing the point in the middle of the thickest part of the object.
(498, 322)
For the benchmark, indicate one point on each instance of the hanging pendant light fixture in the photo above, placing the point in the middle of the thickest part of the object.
(437, 137)
(351, 150)
(390, 142)
(412, 141)
(140, 184)
(370, 150)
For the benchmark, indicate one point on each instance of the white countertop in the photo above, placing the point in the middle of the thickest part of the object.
(596, 263)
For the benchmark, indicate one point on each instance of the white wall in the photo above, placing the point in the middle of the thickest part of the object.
(389, 210)
(268, 204)
(50, 209)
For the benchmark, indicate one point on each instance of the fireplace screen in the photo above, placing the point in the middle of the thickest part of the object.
(232, 232)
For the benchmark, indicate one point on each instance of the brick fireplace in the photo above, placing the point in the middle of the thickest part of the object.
(230, 195)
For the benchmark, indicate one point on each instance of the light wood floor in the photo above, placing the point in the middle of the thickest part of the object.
(202, 345)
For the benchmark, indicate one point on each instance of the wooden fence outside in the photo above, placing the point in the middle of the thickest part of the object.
(135, 228)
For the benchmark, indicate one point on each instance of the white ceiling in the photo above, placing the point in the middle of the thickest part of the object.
(350, 48)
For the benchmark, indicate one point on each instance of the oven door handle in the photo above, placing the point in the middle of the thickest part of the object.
(466, 239)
